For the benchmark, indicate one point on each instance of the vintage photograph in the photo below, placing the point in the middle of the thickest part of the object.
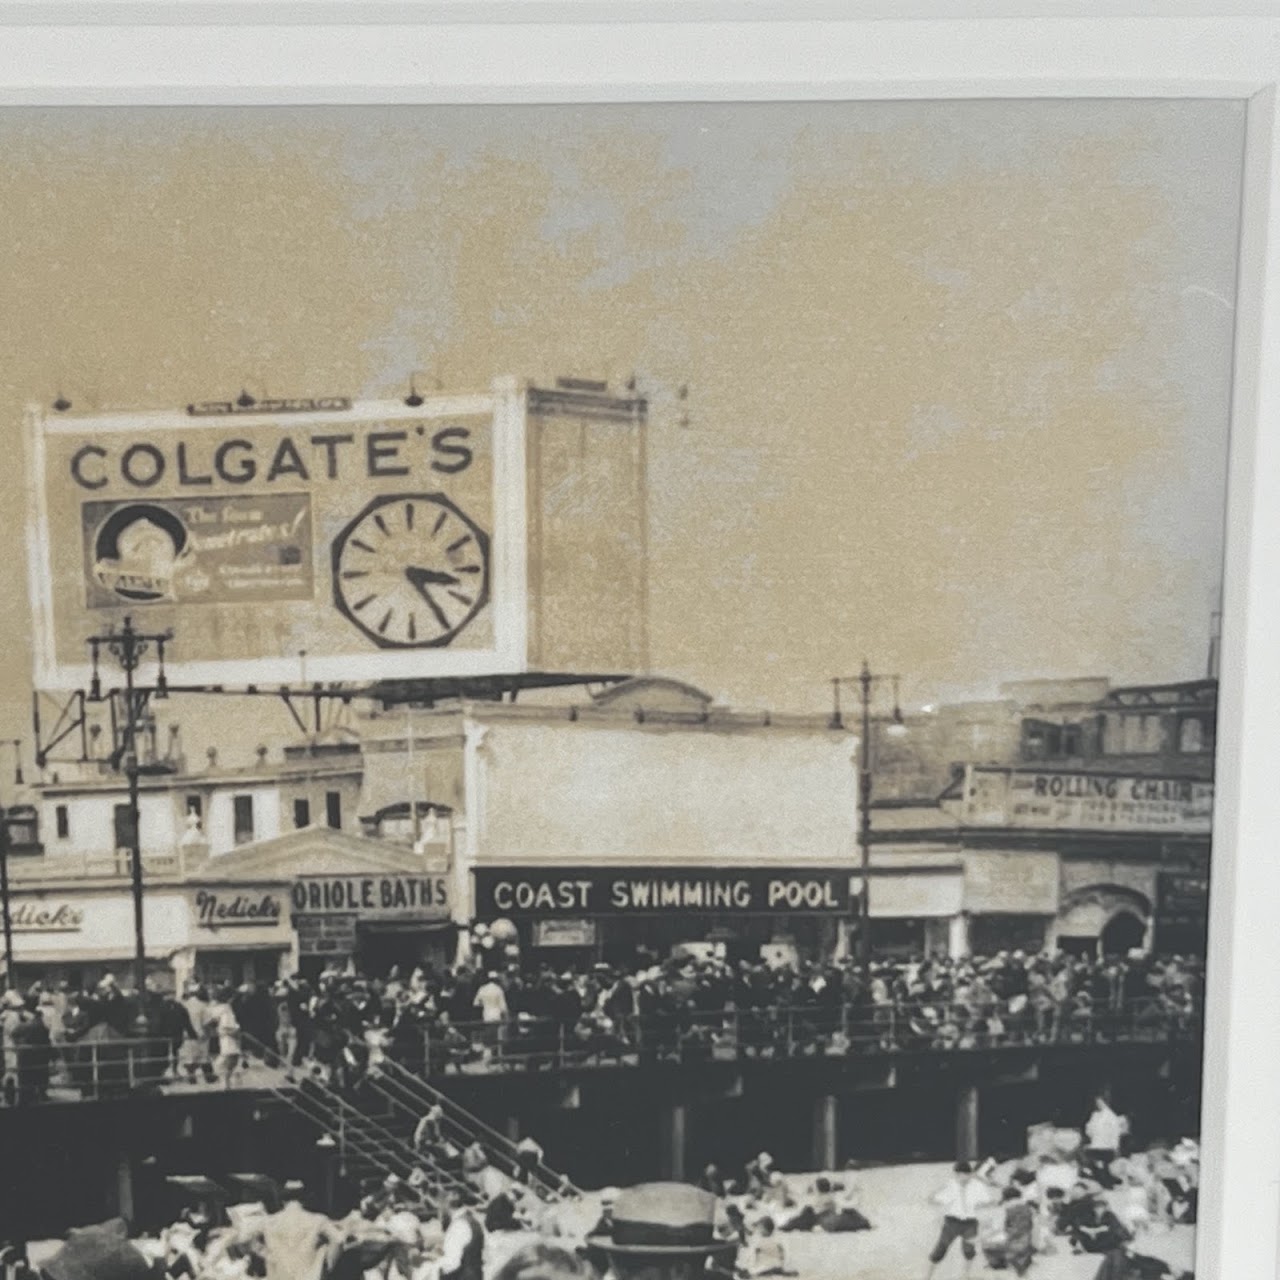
(610, 692)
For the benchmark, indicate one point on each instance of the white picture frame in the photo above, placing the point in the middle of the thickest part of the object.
(118, 52)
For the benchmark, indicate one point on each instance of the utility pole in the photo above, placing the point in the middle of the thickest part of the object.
(866, 683)
(6, 844)
(128, 647)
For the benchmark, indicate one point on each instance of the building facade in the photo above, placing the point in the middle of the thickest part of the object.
(641, 820)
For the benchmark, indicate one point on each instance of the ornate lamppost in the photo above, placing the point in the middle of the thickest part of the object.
(128, 647)
(867, 684)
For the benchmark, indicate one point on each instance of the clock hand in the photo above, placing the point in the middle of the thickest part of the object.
(422, 580)
(419, 577)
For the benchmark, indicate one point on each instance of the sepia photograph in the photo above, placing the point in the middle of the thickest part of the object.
(611, 691)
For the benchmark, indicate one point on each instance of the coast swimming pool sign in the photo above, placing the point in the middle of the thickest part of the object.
(383, 540)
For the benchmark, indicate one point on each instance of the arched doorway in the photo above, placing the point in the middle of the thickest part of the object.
(1123, 933)
(1107, 919)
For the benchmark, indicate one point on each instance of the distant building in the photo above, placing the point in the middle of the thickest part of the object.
(1079, 816)
(644, 817)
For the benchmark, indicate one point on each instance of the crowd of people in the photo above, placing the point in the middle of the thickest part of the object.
(486, 1018)
(500, 1014)
(106, 1040)
(1079, 1192)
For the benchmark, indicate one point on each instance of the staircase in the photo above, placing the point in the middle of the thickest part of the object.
(374, 1132)
(409, 1097)
(368, 1149)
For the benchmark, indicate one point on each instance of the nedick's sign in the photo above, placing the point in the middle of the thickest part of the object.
(236, 910)
(46, 917)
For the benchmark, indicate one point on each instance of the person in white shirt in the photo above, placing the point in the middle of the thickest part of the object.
(961, 1201)
(491, 1000)
(462, 1250)
(1104, 1129)
(1104, 1132)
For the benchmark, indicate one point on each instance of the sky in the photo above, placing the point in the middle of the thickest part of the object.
(958, 373)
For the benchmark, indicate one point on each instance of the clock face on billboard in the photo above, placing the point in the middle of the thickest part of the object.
(411, 570)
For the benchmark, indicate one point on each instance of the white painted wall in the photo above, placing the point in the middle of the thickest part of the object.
(219, 822)
(106, 924)
(91, 822)
(547, 792)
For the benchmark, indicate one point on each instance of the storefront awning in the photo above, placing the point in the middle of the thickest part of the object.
(88, 955)
(404, 926)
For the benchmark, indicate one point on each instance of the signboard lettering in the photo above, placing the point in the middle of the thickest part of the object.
(386, 896)
(198, 551)
(644, 890)
(218, 911)
(329, 456)
(1087, 801)
(46, 917)
(564, 933)
(325, 935)
(210, 408)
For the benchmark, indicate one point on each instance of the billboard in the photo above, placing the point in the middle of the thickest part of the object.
(285, 541)
(1053, 800)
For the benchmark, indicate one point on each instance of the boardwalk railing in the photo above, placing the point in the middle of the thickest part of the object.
(94, 1068)
(778, 1033)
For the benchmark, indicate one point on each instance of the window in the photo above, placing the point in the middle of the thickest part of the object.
(122, 821)
(301, 813)
(243, 818)
(1191, 735)
(195, 804)
(62, 821)
(333, 809)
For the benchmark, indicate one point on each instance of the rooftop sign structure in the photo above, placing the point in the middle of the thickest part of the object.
(315, 539)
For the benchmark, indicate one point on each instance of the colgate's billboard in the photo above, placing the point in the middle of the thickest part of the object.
(315, 539)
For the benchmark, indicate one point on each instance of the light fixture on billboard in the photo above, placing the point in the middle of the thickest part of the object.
(413, 399)
(245, 400)
(61, 404)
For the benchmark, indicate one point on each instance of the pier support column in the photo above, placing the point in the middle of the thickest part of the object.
(826, 1119)
(513, 1128)
(967, 1122)
(124, 1187)
(675, 1141)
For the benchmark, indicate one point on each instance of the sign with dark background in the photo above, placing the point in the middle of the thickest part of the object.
(594, 891)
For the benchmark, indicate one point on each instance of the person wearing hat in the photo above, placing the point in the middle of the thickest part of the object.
(756, 1174)
(462, 1251)
(664, 1231)
(529, 1157)
(604, 1224)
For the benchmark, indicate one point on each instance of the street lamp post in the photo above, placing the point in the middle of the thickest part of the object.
(6, 908)
(129, 647)
(866, 683)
